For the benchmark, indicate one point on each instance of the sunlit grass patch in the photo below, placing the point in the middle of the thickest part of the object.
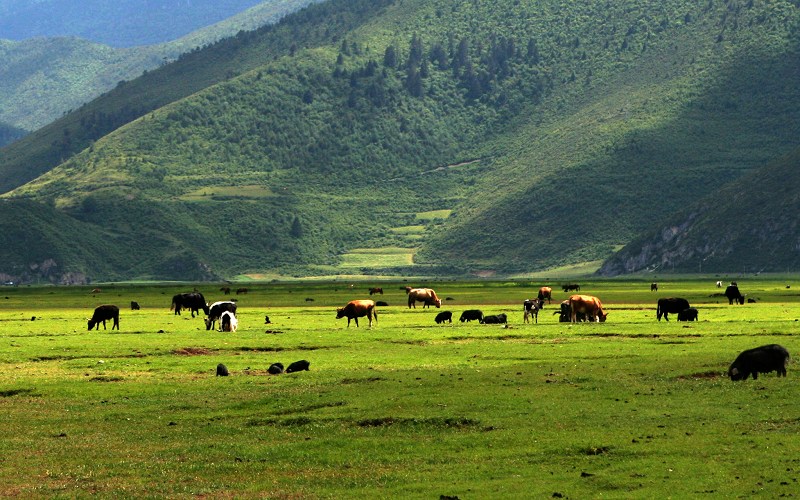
(378, 257)
(211, 193)
(434, 214)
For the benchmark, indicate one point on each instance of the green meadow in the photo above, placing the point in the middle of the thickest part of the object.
(630, 408)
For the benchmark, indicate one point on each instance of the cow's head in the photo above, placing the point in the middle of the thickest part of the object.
(209, 322)
(602, 315)
(339, 312)
(438, 302)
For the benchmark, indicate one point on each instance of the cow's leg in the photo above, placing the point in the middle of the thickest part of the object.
(356, 320)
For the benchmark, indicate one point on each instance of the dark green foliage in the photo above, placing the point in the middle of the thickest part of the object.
(9, 134)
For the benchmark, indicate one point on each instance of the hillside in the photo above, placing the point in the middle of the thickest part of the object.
(43, 78)
(491, 137)
(749, 225)
(122, 23)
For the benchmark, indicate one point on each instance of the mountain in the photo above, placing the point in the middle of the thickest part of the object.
(122, 23)
(9, 134)
(749, 225)
(418, 137)
(44, 77)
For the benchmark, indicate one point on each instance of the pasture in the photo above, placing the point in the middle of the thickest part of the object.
(630, 408)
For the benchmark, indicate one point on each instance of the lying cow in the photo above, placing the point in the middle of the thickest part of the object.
(228, 322)
(495, 319)
(764, 359)
(669, 305)
(587, 304)
(688, 314)
(444, 316)
(531, 307)
(471, 315)
(298, 366)
(358, 309)
(102, 313)
(733, 293)
(216, 309)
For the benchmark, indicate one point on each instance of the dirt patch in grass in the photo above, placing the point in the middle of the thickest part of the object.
(192, 351)
(433, 423)
(106, 378)
(14, 392)
(361, 380)
(701, 375)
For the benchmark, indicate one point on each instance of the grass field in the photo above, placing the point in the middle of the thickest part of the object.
(630, 408)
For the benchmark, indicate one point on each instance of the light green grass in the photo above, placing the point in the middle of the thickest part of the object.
(378, 258)
(631, 408)
(433, 215)
(227, 192)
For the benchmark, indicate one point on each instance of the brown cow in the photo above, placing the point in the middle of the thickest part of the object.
(546, 293)
(426, 295)
(358, 309)
(587, 304)
(376, 290)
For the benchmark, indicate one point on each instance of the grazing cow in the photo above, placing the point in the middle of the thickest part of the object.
(688, 314)
(298, 366)
(545, 293)
(222, 370)
(275, 369)
(571, 287)
(241, 290)
(228, 322)
(102, 313)
(444, 316)
(588, 305)
(670, 305)
(565, 313)
(751, 301)
(357, 309)
(719, 284)
(425, 295)
(135, 306)
(381, 303)
(215, 312)
(471, 314)
(531, 307)
(193, 301)
(373, 291)
(733, 293)
(653, 287)
(764, 359)
(495, 319)
(226, 290)
(96, 290)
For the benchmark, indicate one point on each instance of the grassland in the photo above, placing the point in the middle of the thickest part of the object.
(631, 408)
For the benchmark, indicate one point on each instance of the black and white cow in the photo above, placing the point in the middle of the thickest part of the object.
(216, 309)
(531, 307)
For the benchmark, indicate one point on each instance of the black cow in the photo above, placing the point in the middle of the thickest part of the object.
(444, 316)
(764, 359)
(102, 313)
(531, 307)
(222, 370)
(471, 314)
(653, 287)
(688, 314)
(565, 314)
(495, 319)
(733, 293)
(135, 306)
(298, 366)
(670, 305)
(193, 301)
(571, 287)
(275, 369)
(215, 311)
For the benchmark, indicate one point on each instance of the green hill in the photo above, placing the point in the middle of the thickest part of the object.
(467, 137)
(748, 226)
(41, 79)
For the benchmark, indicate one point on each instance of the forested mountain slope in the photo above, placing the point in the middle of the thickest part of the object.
(42, 78)
(749, 225)
(539, 134)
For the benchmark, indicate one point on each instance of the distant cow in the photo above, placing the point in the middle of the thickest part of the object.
(228, 322)
(531, 307)
(670, 305)
(358, 309)
(102, 313)
(298, 366)
(241, 291)
(96, 290)
(570, 287)
(653, 287)
(764, 359)
(275, 369)
(444, 316)
(495, 319)
(588, 305)
(732, 293)
(373, 291)
(222, 370)
(193, 301)
(425, 295)
(215, 312)
(135, 306)
(226, 290)
(565, 314)
(546, 293)
(688, 314)
(471, 315)
(381, 303)
(719, 284)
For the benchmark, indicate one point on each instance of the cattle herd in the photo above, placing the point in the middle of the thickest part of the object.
(577, 308)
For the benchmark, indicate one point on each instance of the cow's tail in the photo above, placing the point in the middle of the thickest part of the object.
(375, 313)
(658, 312)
